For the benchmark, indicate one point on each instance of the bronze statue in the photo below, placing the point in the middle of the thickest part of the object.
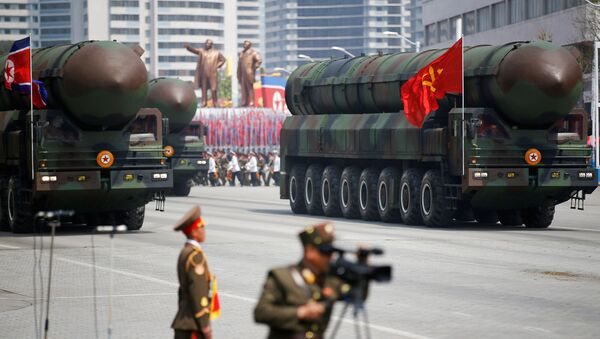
(209, 61)
(248, 63)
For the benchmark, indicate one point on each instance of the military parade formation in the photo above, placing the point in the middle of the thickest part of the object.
(481, 135)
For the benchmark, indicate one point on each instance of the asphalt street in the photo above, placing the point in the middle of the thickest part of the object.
(466, 281)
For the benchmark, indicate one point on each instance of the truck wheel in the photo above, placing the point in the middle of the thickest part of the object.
(538, 217)
(312, 189)
(367, 194)
(410, 208)
(386, 186)
(484, 216)
(3, 206)
(182, 188)
(134, 218)
(297, 189)
(510, 217)
(433, 200)
(349, 192)
(330, 191)
(18, 214)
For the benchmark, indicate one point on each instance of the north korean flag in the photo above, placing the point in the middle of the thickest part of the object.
(17, 73)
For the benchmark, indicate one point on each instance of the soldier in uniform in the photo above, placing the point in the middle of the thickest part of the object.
(297, 300)
(192, 319)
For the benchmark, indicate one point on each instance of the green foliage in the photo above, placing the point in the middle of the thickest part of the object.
(224, 88)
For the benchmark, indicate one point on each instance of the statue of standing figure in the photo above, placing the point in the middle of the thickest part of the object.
(248, 63)
(209, 61)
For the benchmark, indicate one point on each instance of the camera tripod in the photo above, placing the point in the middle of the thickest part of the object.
(356, 299)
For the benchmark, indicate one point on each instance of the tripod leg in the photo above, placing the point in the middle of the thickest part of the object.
(366, 324)
(339, 321)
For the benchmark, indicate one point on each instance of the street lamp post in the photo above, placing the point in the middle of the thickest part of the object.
(396, 34)
(304, 56)
(343, 50)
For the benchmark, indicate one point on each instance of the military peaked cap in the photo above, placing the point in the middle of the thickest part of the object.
(320, 236)
(187, 219)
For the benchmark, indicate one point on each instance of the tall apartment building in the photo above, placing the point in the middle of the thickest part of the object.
(161, 27)
(18, 18)
(501, 21)
(312, 27)
(416, 22)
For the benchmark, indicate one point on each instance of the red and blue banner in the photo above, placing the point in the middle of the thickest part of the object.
(17, 73)
(270, 93)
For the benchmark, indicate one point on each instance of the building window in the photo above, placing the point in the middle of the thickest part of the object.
(499, 14)
(516, 10)
(535, 8)
(453, 23)
(483, 19)
(431, 34)
(469, 23)
(443, 30)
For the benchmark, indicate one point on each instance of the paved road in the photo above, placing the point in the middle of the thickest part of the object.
(468, 281)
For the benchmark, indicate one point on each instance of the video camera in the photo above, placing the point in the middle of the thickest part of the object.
(359, 273)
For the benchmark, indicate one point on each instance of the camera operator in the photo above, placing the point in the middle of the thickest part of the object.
(297, 300)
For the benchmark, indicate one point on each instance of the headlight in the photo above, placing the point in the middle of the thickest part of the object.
(163, 175)
(156, 176)
(49, 178)
(128, 177)
(480, 175)
(201, 162)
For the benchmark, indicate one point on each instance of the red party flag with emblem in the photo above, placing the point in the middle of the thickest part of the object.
(421, 92)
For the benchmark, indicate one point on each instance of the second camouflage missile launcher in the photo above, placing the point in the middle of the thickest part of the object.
(96, 151)
(184, 144)
(519, 151)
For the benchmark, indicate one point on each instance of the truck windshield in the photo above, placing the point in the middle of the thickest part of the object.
(191, 134)
(60, 129)
(491, 127)
(142, 130)
(571, 128)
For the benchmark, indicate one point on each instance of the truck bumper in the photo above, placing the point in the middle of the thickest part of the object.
(89, 191)
(508, 188)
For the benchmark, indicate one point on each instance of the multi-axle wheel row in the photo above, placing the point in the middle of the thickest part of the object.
(412, 197)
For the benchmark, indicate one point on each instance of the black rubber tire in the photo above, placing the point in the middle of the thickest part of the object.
(3, 211)
(409, 197)
(182, 188)
(296, 189)
(433, 200)
(538, 217)
(484, 216)
(387, 205)
(349, 192)
(19, 215)
(312, 189)
(330, 191)
(134, 218)
(510, 217)
(367, 194)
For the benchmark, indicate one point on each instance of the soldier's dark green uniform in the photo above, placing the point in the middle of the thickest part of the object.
(288, 288)
(194, 285)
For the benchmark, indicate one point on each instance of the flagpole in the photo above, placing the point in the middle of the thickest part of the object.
(31, 108)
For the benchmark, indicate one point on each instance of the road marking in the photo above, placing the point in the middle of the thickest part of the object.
(234, 296)
(463, 314)
(11, 247)
(382, 328)
(537, 329)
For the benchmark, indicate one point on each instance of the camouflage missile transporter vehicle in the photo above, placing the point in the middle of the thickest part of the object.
(184, 144)
(93, 150)
(348, 150)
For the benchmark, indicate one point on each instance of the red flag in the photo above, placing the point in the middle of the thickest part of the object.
(432, 82)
